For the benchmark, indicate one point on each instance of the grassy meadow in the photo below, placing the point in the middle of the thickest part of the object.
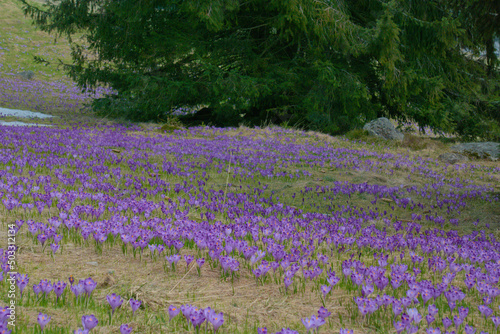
(114, 227)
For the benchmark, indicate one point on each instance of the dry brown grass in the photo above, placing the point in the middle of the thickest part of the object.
(243, 301)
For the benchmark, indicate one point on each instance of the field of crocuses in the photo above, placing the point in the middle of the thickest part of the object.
(42, 96)
(107, 228)
(112, 229)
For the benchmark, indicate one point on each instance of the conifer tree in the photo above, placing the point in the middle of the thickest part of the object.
(323, 64)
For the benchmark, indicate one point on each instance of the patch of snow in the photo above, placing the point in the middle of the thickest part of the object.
(22, 113)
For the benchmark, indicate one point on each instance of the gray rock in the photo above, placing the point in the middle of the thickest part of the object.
(28, 75)
(383, 128)
(486, 150)
(452, 158)
(93, 263)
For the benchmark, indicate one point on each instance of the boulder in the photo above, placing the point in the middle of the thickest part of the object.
(383, 128)
(452, 158)
(28, 75)
(486, 150)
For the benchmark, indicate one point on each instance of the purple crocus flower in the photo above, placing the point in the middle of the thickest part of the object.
(59, 288)
(411, 329)
(405, 301)
(197, 317)
(134, 304)
(173, 311)
(4, 329)
(208, 312)
(309, 324)
(469, 329)
(4, 314)
(125, 329)
(414, 315)
(431, 330)
(54, 248)
(22, 281)
(262, 330)
(43, 320)
(152, 248)
(216, 319)
(426, 295)
(173, 259)
(89, 284)
(187, 310)
(287, 331)
(178, 244)
(405, 318)
(458, 321)
(284, 264)
(447, 323)
(323, 312)
(114, 301)
(487, 300)
(433, 310)
(496, 321)
(357, 278)
(42, 238)
(288, 280)
(46, 286)
(485, 310)
(397, 308)
(333, 280)
(399, 326)
(367, 290)
(325, 289)
(318, 321)
(346, 331)
(78, 289)
(89, 322)
(188, 259)
(37, 289)
(396, 283)
(57, 238)
(81, 331)
(200, 261)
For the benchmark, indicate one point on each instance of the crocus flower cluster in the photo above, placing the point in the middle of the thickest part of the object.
(197, 316)
(316, 321)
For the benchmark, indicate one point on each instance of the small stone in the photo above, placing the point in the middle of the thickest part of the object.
(452, 158)
(93, 263)
(383, 128)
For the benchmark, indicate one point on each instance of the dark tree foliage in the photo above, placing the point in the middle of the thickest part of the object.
(322, 64)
